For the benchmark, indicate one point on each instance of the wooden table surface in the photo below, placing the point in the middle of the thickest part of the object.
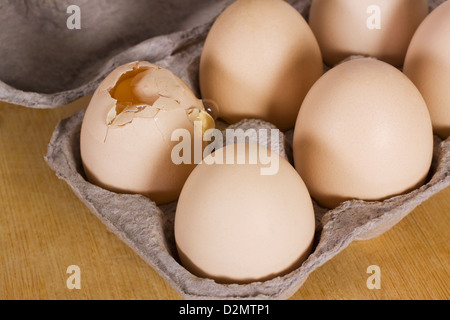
(44, 228)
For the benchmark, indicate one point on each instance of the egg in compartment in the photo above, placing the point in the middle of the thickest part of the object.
(375, 28)
(427, 64)
(259, 60)
(235, 224)
(363, 132)
(125, 139)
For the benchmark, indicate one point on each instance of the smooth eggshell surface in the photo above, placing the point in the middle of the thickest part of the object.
(427, 64)
(375, 28)
(259, 60)
(130, 152)
(235, 225)
(363, 132)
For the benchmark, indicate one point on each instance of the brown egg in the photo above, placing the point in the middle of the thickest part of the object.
(234, 224)
(126, 132)
(259, 60)
(427, 64)
(363, 132)
(375, 28)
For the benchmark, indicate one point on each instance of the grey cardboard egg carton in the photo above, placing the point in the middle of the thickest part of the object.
(148, 229)
(67, 64)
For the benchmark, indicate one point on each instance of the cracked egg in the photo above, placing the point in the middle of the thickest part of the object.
(125, 141)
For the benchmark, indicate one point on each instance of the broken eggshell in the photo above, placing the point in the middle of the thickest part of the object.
(126, 133)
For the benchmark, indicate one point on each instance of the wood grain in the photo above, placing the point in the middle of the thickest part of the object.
(44, 228)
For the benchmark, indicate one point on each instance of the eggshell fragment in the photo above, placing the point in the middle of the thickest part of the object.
(427, 64)
(363, 132)
(259, 60)
(126, 132)
(233, 224)
(375, 28)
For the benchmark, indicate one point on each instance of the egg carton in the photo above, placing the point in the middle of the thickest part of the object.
(161, 36)
(149, 229)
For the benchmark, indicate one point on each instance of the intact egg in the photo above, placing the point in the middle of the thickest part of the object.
(363, 132)
(235, 224)
(375, 28)
(259, 60)
(126, 135)
(427, 64)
